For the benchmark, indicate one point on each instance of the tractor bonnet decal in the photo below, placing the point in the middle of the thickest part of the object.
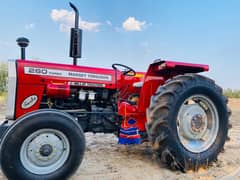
(64, 73)
(29, 101)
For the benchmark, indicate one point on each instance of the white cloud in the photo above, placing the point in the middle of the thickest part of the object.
(30, 26)
(62, 15)
(66, 20)
(90, 26)
(108, 22)
(132, 24)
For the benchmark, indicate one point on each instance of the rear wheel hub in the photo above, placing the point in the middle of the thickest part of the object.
(198, 123)
(46, 150)
(192, 121)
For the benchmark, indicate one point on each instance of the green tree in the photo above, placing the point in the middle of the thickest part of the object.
(3, 78)
(232, 93)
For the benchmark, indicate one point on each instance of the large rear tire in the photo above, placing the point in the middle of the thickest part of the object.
(45, 144)
(188, 122)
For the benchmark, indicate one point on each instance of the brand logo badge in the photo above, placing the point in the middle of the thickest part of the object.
(29, 101)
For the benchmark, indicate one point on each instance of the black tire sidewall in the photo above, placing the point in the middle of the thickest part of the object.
(13, 139)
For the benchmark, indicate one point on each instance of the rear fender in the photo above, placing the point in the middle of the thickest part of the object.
(164, 68)
(160, 71)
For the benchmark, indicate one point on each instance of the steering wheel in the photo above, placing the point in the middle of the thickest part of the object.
(126, 71)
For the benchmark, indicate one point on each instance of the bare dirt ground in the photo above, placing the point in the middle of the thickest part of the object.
(106, 160)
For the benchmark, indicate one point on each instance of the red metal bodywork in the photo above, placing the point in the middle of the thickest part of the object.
(33, 79)
(156, 75)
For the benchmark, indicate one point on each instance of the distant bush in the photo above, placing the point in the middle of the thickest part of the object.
(232, 93)
(3, 78)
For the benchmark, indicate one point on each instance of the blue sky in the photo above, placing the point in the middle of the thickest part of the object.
(131, 32)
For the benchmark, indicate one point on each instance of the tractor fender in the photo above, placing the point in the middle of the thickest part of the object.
(159, 72)
(163, 66)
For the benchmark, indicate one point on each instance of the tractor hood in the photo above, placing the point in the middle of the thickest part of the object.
(34, 72)
(30, 80)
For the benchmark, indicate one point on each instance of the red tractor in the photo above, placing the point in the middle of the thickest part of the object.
(182, 114)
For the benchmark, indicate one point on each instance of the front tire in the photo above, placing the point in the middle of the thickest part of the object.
(45, 144)
(188, 122)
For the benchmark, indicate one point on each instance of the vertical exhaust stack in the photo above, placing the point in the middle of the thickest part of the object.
(76, 37)
(23, 43)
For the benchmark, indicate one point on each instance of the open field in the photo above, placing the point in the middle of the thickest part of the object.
(2, 98)
(105, 159)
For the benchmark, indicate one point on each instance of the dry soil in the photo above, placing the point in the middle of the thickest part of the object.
(106, 160)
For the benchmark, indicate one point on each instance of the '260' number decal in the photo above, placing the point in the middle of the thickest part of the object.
(37, 70)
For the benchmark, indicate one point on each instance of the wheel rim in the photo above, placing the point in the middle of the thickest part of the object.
(44, 151)
(197, 123)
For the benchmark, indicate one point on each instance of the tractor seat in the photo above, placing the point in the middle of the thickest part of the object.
(138, 84)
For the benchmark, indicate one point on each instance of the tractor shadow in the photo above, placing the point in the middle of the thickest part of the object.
(105, 145)
(144, 153)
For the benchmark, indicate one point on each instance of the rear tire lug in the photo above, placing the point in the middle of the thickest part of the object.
(182, 88)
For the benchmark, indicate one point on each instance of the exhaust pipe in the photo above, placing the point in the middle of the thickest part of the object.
(76, 37)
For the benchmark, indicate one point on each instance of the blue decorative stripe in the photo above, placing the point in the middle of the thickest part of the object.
(129, 136)
(130, 129)
(129, 141)
(129, 132)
